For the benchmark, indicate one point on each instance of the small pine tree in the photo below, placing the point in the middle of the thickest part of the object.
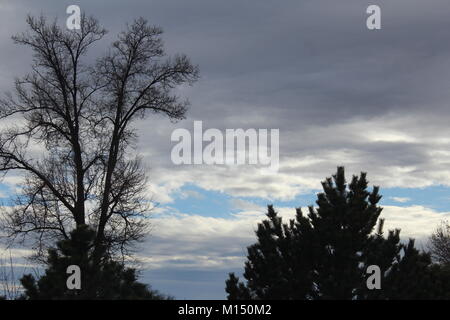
(414, 277)
(108, 280)
(236, 290)
(273, 266)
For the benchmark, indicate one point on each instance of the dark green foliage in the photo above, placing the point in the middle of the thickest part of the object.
(236, 290)
(107, 280)
(326, 254)
(342, 223)
(414, 277)
(267, 277)
(383, 252)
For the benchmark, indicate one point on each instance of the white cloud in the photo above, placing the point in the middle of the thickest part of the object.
(414, 221)
(244, 205)
(185, 194)
(400, 199)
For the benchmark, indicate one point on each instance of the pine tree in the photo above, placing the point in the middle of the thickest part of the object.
(236, 290)
(107, 280)
(273, 264)
(326, 254)
(342, 225)
(414, 277)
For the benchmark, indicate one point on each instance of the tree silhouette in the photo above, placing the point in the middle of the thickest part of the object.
(440, 243)
(80, 115)
(112, 280)
(413, 277)
(326, 254)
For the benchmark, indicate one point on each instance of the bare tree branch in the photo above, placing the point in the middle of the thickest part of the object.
(80, 116)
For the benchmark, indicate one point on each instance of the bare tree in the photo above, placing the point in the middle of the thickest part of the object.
(80, 116)
(440, 243)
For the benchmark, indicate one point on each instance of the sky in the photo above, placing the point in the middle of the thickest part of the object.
(341, 95)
